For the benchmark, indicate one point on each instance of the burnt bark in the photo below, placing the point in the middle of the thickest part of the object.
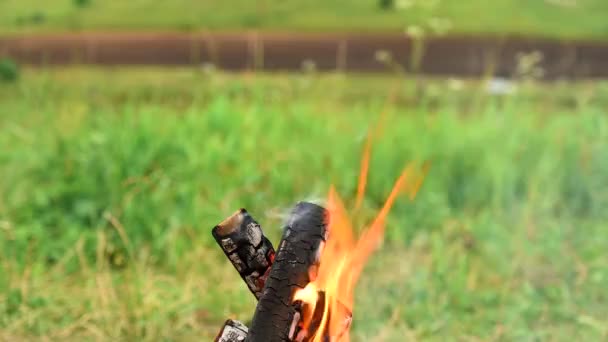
(250, 252)
(276, 315)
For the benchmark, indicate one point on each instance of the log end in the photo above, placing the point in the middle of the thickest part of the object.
(230, 224)
(232, 331)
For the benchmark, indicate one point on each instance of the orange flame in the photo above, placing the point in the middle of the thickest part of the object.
(368, 147)
(343, 257)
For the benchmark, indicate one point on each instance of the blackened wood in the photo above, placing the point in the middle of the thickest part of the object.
(276, 313)
(251, 253)
(232, 331)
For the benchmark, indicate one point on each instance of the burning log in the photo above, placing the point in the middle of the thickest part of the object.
(276, 317)
(279, 316)
(232, 331)
(305, 293)
(250, 252)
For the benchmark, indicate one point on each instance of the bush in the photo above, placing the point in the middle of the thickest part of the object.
(82, 3)
(9, 70)
(387, 4)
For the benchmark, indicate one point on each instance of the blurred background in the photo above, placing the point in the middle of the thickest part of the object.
(128, 129)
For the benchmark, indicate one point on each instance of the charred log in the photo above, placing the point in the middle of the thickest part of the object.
(250, 252)
(276, 317)
(235, 331)
(232, 331)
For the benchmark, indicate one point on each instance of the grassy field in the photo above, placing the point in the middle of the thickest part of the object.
(552, 18)
(112, 180)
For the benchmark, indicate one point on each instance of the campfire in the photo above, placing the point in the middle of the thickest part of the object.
(305, 289)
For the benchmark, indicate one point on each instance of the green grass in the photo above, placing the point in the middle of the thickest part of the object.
(551, 18)
(112, 180)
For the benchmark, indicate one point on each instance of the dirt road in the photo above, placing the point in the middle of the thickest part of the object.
(455, 56)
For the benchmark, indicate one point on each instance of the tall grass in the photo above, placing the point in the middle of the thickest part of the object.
(112, 181)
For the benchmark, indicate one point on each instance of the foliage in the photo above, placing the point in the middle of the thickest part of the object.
(9, 70)
(82, 3)
(386, 4)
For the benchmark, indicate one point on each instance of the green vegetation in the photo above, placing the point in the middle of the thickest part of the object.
(82, 3)
(112, 180)
(386, 4)
(9, 70)
(553, 18)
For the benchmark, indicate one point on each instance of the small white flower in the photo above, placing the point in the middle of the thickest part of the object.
(439, 25)
(455, 84)
(414, 31)
(208, 68)
(309, 65)
(383, 56)
(500, 86)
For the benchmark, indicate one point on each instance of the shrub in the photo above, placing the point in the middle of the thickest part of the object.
(386, 4)
(9, 70)
(81, 3)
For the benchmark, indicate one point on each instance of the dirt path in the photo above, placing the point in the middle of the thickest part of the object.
(456, 56)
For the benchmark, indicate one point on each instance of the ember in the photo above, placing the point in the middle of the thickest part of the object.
(306, 290)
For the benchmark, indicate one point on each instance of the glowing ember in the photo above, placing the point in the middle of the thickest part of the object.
(343, 258)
